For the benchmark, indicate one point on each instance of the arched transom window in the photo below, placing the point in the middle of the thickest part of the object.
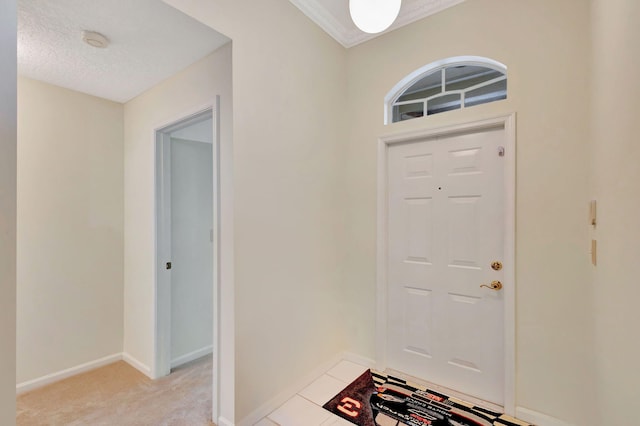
(446, 85)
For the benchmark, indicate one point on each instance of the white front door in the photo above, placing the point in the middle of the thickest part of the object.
(446, 227)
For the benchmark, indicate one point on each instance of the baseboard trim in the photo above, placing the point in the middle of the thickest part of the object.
(288, 393)
(64, 374)
(268, 407)
(367, 362)
(224, 422)
(537, 418)
(191, 356)
(141, 367)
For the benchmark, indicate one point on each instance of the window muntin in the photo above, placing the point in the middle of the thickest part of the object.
(485, 94)
(407, 111)
(443, 103)
(452, 84)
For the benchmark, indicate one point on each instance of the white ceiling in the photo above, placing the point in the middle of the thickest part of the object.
(333, 17)
(150, 41)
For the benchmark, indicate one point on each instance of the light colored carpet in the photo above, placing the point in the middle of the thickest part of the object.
(118, 394)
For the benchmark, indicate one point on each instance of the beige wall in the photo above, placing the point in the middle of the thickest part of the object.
(70, 229)
(616, 175)
(7, 212)
(545, 45)
(287, 316)
(171, 100)
(288, 85)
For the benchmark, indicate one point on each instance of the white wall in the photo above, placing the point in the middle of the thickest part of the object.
(545, 45)
(288, 84)
(191, 246)
(7, 212)
(616, 176)
(70, 229)
(169, 101)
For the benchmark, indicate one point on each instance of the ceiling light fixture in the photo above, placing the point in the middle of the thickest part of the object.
(95, 39)
(374, 16)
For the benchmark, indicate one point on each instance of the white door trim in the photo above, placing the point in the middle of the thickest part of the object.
(223, 326)
(162, 295)
(508, 122)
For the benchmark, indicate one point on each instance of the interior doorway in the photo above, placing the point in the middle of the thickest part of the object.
(187, 243)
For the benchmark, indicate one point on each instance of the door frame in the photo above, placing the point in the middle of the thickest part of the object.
(508, 123)
(162, 232)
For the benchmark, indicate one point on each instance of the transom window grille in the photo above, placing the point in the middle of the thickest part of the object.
(454, 83)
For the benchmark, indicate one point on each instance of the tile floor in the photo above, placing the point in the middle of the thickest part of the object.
(305, 409)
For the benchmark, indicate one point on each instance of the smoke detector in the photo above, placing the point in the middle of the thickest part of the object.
(95, 39)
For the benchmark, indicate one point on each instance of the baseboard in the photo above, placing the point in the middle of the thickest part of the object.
(367, 362)
(537, 418)
(268, 407)
(144, 369)
(224, 422)
(60, 375)
(191, 356)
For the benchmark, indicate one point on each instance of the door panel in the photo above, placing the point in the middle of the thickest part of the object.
(418, 231)
(417, 321)
(445, 227)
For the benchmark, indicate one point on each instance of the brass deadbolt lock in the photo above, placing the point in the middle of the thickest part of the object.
(496, 266)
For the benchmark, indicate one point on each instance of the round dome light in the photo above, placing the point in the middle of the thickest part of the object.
(95, 39)
(374, 16)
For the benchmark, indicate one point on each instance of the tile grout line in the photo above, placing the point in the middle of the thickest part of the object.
(326, 373)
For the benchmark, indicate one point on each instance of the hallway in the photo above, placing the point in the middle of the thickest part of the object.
(119, 394)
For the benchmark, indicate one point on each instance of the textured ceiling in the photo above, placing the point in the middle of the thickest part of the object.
(150, 41)
(333, 17)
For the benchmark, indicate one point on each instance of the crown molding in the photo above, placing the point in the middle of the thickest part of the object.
(349, 35)
(323, 18)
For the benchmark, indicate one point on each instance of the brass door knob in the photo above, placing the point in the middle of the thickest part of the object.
(495, 285)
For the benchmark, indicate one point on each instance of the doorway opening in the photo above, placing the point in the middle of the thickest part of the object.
(187, 243)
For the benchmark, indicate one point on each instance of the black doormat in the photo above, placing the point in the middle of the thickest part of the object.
(375, 399)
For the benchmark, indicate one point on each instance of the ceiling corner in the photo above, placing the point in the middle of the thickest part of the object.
(319, 14)
(334, 18)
